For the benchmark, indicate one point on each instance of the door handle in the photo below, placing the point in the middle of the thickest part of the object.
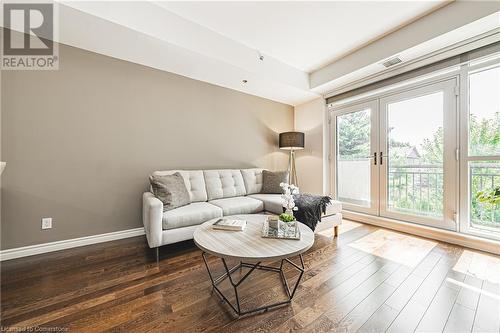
(374, 158)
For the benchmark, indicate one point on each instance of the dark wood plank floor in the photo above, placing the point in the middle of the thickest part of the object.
(359, 282)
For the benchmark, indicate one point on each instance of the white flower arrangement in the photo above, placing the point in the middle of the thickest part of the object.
(287, 197)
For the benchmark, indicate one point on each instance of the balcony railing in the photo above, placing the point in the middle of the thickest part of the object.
(484, 177)
(418, 189)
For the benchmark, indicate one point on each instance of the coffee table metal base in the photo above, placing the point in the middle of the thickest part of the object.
(227, 275)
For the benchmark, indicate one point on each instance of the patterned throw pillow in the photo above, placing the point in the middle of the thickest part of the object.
(271, 181)
(170, 189)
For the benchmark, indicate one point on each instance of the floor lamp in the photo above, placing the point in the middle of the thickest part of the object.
(292, 141)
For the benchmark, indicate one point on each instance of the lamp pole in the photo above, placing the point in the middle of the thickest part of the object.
(292, 170)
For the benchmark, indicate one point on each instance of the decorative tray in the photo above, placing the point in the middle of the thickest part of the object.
(286, 230)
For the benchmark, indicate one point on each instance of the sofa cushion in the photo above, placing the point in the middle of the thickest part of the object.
(170, 189)
(192, 214)
(272, 202)
(224, 183)
(194, 180)
(252, 179)
(271, 181)
(239, 205)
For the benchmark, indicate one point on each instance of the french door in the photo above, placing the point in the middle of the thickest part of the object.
(396, 155)
(357, 145)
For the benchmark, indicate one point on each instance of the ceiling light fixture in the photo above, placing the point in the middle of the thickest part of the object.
(244, 81)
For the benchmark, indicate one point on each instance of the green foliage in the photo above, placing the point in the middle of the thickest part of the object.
(432, 149)
(286, 217)
(416, 190)
(354, 135)
(491, 196)
(484, 140)
(484, 136)
(484, 178)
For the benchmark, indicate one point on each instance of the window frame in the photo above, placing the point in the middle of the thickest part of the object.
(465, 225)
(461, 74)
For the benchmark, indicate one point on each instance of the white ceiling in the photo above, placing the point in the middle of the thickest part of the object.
(305, 35)
(309, 48)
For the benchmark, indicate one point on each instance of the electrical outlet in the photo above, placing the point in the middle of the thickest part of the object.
(47, 223)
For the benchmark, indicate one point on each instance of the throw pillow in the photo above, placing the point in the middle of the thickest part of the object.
(170, 189)
(271, 181)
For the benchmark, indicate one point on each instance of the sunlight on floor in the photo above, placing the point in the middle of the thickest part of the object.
(480, 265)
(474, 289)
(404, 249)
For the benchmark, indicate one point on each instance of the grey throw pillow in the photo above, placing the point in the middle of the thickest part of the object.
(170, 189)
(271, 181)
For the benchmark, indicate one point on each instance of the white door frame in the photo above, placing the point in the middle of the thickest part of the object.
(339, 107)
(450, 160)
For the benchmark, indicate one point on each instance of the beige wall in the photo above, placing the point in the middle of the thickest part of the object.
(309, 119)
(81, 141)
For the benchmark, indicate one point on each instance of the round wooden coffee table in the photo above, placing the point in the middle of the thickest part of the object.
(250, 249)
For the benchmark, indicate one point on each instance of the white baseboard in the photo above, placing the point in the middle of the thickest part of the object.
(473, 242)
(68, 244)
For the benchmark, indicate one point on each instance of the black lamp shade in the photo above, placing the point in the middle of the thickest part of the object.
(292, 140)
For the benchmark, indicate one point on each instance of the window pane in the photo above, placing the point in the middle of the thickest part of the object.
(415, 148)
(484, 188)
(353, 161)
(484, 117)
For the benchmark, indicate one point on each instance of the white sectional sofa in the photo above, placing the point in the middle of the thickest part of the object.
(213, 193)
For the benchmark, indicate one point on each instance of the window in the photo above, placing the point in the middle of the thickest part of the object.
(484, 112)
(353, 157)
(412, 153)
(415, 155)
(483, 160)
(391, 155)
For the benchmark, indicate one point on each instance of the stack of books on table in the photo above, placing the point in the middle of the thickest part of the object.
(230, 224)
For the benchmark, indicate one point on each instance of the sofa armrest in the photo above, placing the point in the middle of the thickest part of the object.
(152, 214)
(333, 208)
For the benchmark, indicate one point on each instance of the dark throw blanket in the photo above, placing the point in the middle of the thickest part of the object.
(310, 207)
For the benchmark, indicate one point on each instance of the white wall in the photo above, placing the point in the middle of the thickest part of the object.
(309, 119)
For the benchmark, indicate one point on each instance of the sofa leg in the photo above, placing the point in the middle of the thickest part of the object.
(335, 231)
(157, 250)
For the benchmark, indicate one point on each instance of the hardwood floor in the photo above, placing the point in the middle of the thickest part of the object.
(367, 280)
